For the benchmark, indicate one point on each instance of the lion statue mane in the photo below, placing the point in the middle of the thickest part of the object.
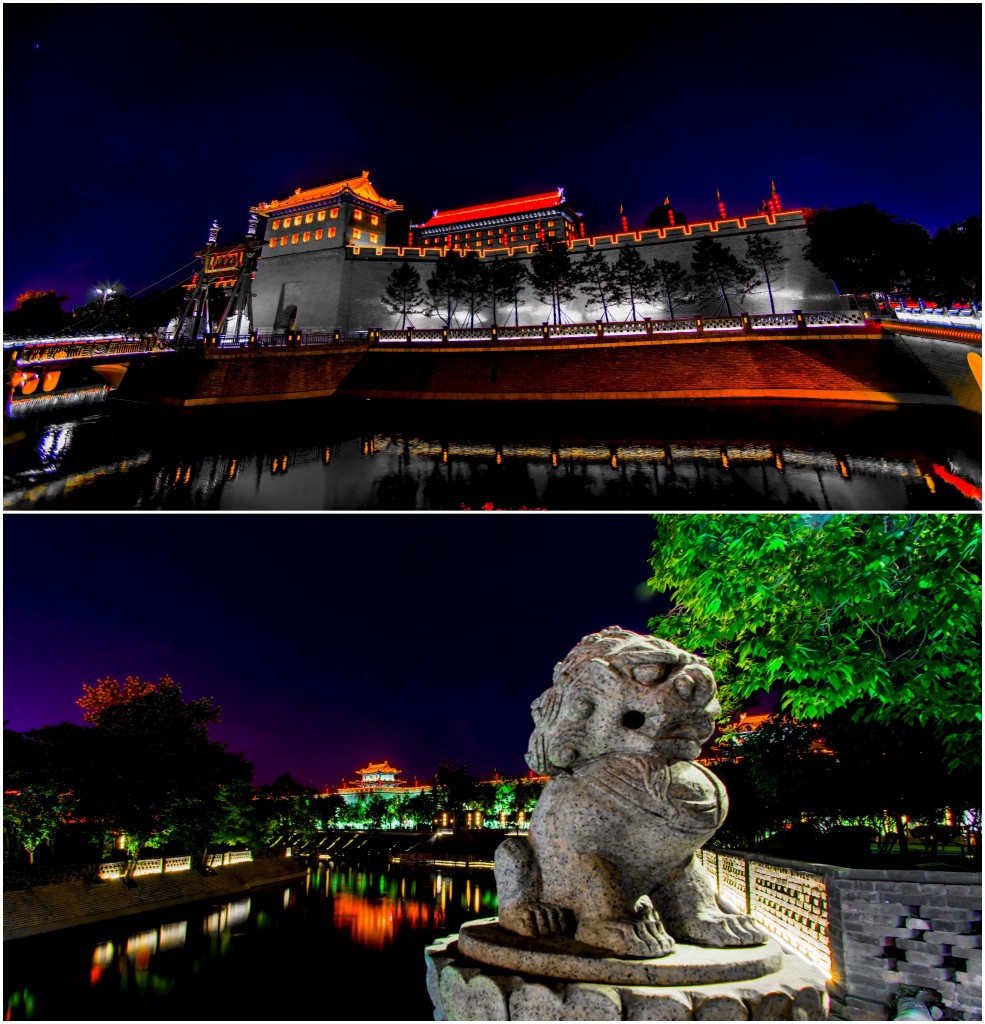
(610, 857)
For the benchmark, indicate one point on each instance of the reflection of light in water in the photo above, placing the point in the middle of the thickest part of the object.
(141, 943)
(229, 916)
(173, 935)
(54, 443)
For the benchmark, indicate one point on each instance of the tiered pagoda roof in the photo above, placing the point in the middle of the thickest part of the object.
(379, 767)
(359, 187)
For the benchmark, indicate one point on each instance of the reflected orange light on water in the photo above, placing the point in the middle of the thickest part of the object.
(374, 923)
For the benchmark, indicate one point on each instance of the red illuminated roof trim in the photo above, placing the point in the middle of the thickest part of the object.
(525, 204)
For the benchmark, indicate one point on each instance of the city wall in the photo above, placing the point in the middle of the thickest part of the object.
(879, 933)
(343, 288)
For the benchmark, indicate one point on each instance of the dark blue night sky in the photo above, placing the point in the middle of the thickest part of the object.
(128, 128)
(327, 640)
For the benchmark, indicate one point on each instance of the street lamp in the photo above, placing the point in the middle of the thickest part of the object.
(105, 293)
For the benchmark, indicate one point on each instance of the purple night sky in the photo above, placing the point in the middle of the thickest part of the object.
(327, 640)
(129, 127)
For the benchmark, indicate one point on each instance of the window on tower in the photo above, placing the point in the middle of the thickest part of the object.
(308, 218)
(294, 239)
(331, 232)
(321, 214)
(334, 213)
(356, 234)
(307, 236)
(374, 238)
(357, 214)
(276, 225)
(273, 243)
(318, 235)
(374, 220)
(283, 239)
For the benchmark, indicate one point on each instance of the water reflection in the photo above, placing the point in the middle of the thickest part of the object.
(804, 458)
(364, 922)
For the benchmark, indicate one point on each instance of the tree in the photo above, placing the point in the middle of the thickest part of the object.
(506, 279)
(766, 256)
(877, 615)
(152, 774)
(404, 294)
(37, 786)
(444, 287)
(956, 257)
(473, 282)
(718, 271)
(671, 282)
(660, 217)
(862, 249)
(632, 279)
(554, 276)
(595, 273)
(37, 313)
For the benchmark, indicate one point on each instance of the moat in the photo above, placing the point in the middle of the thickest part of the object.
(364, 456)
(315, 949)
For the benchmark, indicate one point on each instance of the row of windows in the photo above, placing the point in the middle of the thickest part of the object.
(333, 214)
(479, 243)
(357, 234)
(502, 229)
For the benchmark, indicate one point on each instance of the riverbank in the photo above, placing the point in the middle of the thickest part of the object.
(47, 908)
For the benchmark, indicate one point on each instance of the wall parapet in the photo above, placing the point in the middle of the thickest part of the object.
(875, 931)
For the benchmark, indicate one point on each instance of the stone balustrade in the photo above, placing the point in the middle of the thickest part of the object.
(875, 932)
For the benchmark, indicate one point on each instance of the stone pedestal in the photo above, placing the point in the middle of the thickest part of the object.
(488, 973)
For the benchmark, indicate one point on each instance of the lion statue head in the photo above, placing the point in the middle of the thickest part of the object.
(621, 692)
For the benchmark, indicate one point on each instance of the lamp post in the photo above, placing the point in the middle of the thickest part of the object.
(105, 293)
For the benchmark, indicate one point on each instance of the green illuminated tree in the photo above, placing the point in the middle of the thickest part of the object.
(718, 272)
(404, 295)
(671, 283)
(287, 812)
(880, 615)
(554, 276)
(767, 257)
(597, 284)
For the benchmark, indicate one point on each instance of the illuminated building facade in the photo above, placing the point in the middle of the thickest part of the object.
(302, 263)
(528, 220)
(378, 778)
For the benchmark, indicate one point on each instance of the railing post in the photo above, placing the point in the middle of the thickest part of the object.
(801, 322)
(746, 323)
(444, 335)
(545, 331)
(649, 326)
(599, 329)
(699, 325)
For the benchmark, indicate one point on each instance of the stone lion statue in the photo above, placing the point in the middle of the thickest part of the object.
(610, 855)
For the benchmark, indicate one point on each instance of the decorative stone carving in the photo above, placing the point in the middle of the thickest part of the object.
(610, 858)
(605, 912)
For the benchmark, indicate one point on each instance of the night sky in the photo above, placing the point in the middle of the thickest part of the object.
(128, 128)
(327, 640)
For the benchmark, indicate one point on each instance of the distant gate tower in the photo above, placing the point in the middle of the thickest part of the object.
(302, 267)
(510, 222)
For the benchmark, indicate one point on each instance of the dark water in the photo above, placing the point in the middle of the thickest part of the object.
(345, 944)
(333, 455)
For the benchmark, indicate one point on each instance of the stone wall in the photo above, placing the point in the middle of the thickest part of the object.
(876, 932)
(332, 290)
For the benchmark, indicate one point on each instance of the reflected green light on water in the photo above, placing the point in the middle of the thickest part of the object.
(237, 959)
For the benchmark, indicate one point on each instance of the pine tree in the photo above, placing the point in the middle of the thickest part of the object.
(767, 256)
(719, 271)
(597, 283)
(673, 283)
(404, 294)
(506, 279)
(632, 278)
(554, 276)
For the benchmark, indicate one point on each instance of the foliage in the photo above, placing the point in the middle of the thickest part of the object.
(767, 257)
(862, 249)
(659, 217)
(554, 276)
(287, 811)
(37, 313)
(632, 279)
(444, 288)
(473, 279)
(956, 255)
(404, 294)
(717, 272)
(595, 273)
(880, 615)
(506, 279)
(673, 283)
